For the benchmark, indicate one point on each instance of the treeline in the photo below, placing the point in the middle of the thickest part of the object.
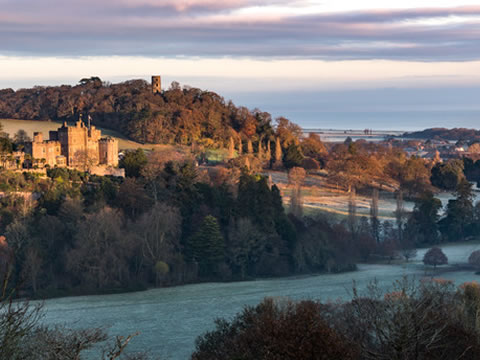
(426, 320)
(460, 221)
(177, 115)
(363, 165)
(167, 223)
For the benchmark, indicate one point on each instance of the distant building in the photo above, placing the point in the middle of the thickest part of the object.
(156, 84)
(78, 146)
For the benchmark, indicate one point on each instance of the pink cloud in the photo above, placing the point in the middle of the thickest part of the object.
(206, 27)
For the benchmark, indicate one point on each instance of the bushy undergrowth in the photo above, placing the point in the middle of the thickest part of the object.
(426, 320)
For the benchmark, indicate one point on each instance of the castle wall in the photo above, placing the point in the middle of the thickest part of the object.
(48, 150)
(75, 146)
(108, 151)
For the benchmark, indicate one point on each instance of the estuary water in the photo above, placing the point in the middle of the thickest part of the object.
(169, 319)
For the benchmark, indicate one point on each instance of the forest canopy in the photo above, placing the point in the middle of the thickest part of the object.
(180, 115)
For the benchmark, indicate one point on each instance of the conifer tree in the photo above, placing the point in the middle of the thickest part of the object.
(375, 223)
(231, 149)
(260, 149)
(400, 215)
(292, 157)
(247, 162)
(207, 246)
(278, 152)
(249, 146)
(268, 156)
(352, 211)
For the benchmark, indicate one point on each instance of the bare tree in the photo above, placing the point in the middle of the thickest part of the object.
(296, 178)
(98, 256)
(33, 262)
(159, 234)
(85, 159)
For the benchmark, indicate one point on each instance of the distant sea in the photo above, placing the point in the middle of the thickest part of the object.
(385, 120)
(377, 109)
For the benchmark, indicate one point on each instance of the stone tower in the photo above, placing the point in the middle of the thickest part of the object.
(156, 84)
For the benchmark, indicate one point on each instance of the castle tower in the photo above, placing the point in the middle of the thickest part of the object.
(156, 84)
(37, 137)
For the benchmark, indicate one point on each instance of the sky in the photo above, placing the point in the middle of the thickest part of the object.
(384, 64)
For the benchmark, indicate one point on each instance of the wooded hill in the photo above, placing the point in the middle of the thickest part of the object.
(445, 134)
(180, 115)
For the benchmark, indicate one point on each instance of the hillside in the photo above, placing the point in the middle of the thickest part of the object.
(445, 134)
(178, 115)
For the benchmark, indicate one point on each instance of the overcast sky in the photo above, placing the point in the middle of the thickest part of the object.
(284, 56)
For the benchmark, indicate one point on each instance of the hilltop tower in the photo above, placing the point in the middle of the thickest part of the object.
(156, 84)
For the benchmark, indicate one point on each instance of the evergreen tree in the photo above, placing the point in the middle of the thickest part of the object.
(249, 146)
(375, 223)
(278, 152)
(400, 214)
(260, 149)
(231, 148)
(292, 157)
(133, 162)
(458, 222)
(449, 175)
(422, 227)
(207, 246)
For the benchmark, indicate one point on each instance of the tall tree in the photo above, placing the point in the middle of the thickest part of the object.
(292, 157)
(269, 151)
(422, 225)
(400, 214)
(133, 162)
(249, 146)
(352, 212)
(244, 247)
(278, 152)
(374, 221)
(159, 233)
(207, 246)
(231, 148)
(458, 222)
(296, 178)
(240, 146)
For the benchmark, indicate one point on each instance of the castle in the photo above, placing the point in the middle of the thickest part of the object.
(80, 146)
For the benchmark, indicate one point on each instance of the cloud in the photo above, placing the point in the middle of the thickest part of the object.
(248, 28)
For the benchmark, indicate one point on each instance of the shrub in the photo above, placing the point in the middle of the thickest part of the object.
(434, 257)
(275, 331)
